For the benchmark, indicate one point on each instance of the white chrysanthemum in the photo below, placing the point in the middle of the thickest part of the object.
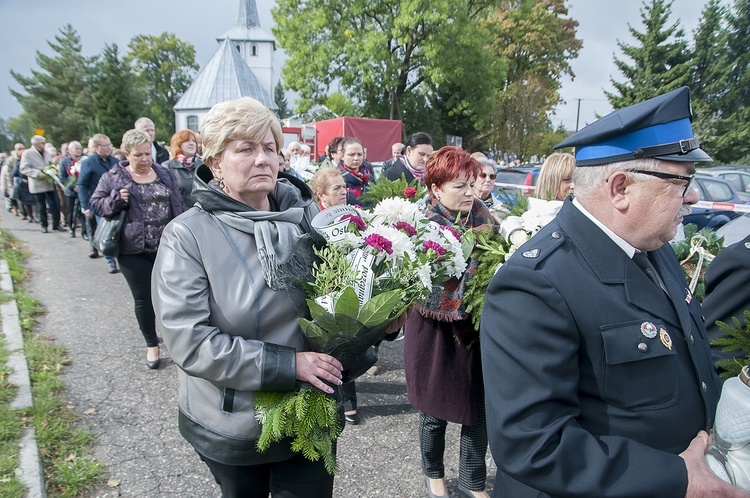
(400, 242)
(539, 214)
(424, 272)
(392, 210)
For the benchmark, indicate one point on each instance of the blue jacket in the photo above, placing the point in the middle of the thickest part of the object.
(595, 378)
(92, 169)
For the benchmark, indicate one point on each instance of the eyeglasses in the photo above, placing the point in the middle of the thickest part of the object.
(668, 176)
(485, 175)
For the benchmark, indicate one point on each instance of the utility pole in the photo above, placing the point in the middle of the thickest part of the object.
(578, 114)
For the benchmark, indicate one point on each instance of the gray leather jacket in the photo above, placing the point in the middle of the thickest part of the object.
(229, 333)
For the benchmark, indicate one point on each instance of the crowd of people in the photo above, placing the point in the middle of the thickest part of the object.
(592, 374)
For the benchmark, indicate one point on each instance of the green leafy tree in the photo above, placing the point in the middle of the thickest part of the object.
(379, 52)
(342, 105)
(115, 102)
(733, 129)
(710, 73)
(661, 61)
(280, 99)
(21, 128)
(57, 96)
(536, 40)
(164, 66)
(6, 140)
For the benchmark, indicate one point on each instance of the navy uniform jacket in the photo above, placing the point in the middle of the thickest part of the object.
(580, 401)
(726, 292)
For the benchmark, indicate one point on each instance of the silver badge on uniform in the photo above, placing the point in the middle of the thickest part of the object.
(648, 329)
(534, 253)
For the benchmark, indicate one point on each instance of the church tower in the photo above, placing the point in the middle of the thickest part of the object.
(254, 45)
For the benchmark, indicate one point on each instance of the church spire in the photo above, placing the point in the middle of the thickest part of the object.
(248, 15)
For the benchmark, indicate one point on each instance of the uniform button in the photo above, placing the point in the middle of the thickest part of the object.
(704, 386)
(555, 235)
(703, 318)
(643, 347)
(692, 339)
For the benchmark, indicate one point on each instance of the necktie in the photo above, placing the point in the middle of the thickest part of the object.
(641, 259)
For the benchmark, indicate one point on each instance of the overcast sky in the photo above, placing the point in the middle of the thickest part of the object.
(27, 26)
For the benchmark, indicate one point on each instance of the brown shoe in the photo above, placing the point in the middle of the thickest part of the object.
(94, 254)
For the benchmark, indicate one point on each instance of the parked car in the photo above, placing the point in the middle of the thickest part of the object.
(740, 179)
(735, 230)
(518, 175)
(711, 189)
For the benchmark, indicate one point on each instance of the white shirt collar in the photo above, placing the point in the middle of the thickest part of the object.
(621, 243)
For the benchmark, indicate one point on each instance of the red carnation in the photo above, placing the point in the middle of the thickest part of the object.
(410, 192)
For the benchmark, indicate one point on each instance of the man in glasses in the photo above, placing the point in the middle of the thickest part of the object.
(599, 380)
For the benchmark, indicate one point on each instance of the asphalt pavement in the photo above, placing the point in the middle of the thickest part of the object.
(133, 410)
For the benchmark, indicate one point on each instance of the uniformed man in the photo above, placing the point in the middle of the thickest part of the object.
(727, 295)
(598, 375)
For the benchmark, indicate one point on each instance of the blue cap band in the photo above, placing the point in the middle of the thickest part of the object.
(625, 145)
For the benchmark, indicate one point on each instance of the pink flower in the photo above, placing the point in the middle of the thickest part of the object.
(406, 228)
(379, 242)
(356, 221)
(431, 245)
(451, 230)
(410, 192)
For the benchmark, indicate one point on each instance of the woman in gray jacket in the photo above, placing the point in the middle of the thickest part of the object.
(226, 293)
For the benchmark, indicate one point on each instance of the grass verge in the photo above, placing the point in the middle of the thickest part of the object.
(69, 468)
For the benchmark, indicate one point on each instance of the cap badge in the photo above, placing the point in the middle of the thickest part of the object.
(648, 329)
(665, 339)
(534, 253)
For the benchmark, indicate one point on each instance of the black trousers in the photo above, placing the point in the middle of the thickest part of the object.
(73, 213)
(472, 469)
(42, 200)
(297, 477)
(136, 268)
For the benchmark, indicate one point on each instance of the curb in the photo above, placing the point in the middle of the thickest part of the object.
(30, 465)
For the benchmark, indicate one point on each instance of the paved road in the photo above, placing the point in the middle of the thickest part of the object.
(133, 410)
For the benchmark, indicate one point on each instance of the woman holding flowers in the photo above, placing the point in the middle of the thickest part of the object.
(356, 173)
(441, 350)
(227, 298)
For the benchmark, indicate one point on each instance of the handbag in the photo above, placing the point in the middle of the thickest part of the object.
(107, 235)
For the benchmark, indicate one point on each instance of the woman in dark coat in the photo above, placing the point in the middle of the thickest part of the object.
(441, 349)
(149, 193)
(21, 192)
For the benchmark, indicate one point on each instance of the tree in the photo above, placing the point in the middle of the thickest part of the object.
(660, 63)
(710, 74)
(57, 96)
(380, 51)
(164, 66)
(115, 104)
(280, 99)
(733, 128)
(536, 41)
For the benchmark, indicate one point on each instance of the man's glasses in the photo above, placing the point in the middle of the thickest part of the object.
(485, 175)
(668, 176)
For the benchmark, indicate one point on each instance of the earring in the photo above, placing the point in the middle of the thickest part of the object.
(221, 183)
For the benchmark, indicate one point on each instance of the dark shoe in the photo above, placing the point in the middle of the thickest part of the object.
(465, 492)
(85, 236)
(111, 267)
(352, 419)
(94, 254)
(44, 229)
(429, 490)
(58, 228)
(153, 365)
(72, 234)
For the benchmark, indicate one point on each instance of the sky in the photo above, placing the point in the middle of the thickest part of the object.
(27, 26)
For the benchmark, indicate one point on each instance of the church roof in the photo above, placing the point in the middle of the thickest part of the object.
(247, 27)
(225, 77)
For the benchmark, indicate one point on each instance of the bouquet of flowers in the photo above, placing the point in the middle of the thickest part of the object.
(375, 266)
(50, 174)
(75, 169)
(385, 189)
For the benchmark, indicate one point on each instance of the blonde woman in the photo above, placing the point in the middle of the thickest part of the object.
(555, 180)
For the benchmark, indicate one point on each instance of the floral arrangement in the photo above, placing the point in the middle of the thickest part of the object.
(696, 251)
(385, 189)
(50, 173)
(75, 169)
(735, 337)
(375, 265)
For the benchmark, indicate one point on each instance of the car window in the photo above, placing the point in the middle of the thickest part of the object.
(734, 179)
(716, 191)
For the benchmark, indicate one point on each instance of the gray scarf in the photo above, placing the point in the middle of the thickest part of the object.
(284, 250)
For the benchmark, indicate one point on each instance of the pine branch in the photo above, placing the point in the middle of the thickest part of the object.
(735, 338)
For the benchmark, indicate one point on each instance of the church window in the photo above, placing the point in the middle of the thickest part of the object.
(192, 123)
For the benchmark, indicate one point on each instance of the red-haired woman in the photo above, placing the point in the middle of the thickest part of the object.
(441, 349)
(184, 160)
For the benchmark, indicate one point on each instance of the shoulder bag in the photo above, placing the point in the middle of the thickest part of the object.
(107, 235)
